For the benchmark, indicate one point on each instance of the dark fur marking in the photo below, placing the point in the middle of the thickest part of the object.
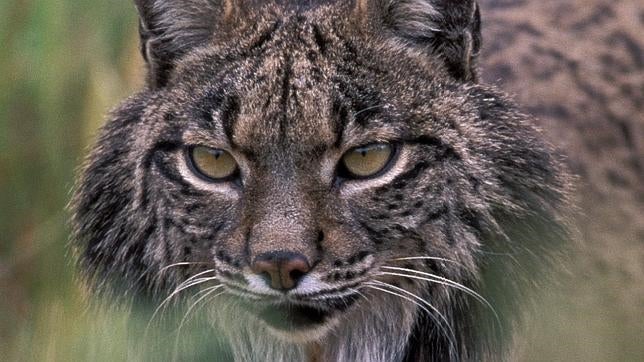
(147, 162)
(375, 236)
(399, 185)
(319, 247)
(411, 174)
(286, 91)
(448, 227)
(363, 254)
(265, 37)
(222, 256)
(319, 39)
(405, 213)
(442, 150)
(236, 277)
(341, 117)
(229, 112)
(172, 175)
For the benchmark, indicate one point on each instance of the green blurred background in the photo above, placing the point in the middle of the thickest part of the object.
(63, 64)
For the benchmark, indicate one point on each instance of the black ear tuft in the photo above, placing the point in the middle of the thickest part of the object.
(450, 29)
(170, 28)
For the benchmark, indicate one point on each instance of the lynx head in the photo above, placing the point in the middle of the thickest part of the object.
(332, 167)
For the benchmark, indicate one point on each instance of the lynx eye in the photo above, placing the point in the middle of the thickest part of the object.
(367, 161)
(213, 164)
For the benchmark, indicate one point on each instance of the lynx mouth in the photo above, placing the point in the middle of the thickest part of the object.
(289, 317)
(293, 317)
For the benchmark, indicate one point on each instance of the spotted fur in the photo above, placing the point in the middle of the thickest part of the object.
(287, 88)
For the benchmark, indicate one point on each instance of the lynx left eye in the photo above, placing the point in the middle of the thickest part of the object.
(367, 161)
(213, 164)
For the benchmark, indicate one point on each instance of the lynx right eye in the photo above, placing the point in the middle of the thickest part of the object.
(212, 164)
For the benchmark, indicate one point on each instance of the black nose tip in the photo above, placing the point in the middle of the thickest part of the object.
(282, 269)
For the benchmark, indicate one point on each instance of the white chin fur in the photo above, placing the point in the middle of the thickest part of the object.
(308, 335)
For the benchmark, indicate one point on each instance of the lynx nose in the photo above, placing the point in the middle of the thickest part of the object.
(282, 269)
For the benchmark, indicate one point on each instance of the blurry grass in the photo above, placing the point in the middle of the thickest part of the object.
(64, 63)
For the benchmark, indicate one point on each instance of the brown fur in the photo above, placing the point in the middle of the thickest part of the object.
(287, 88)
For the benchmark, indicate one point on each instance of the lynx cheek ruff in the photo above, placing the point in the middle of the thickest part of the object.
(322, 180)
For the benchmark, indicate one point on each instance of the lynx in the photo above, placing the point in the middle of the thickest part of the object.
(332, 174)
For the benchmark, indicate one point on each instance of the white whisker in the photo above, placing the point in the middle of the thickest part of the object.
(444, 281)
(399, 295)
(177, 290)
(368, 109)
(441, 279)
(451, 336)
(428, 258)
(361, 294)
(208, 292)
(194, 277)
(182, 263)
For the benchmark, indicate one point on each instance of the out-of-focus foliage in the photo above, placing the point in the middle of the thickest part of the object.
(63, 64)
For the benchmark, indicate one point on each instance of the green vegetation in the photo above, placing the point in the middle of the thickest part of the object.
(63, 64)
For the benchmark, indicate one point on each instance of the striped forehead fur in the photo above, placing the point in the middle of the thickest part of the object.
(393, 261)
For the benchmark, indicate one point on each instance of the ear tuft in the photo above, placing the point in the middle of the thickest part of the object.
(170, 28)
(450, 29)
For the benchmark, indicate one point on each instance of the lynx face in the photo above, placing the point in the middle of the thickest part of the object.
(326, 167)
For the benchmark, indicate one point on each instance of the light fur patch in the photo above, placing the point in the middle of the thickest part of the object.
(374, 329)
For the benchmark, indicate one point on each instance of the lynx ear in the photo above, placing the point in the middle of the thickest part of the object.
(170, 28)
(450, 29)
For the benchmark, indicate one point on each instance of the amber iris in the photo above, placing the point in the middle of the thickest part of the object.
(367, 161)
(212, 163)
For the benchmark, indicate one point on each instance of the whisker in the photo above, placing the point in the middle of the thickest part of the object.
(361, 294)
(182, 263)
(208, 292)
(444, 281)
(205, 290)
(428, 258)
(194, 277)
(451, 337)
(400, 296)
(417, 304)
(191, 284)
(368, 109)
(179, 289)
(175, 292)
